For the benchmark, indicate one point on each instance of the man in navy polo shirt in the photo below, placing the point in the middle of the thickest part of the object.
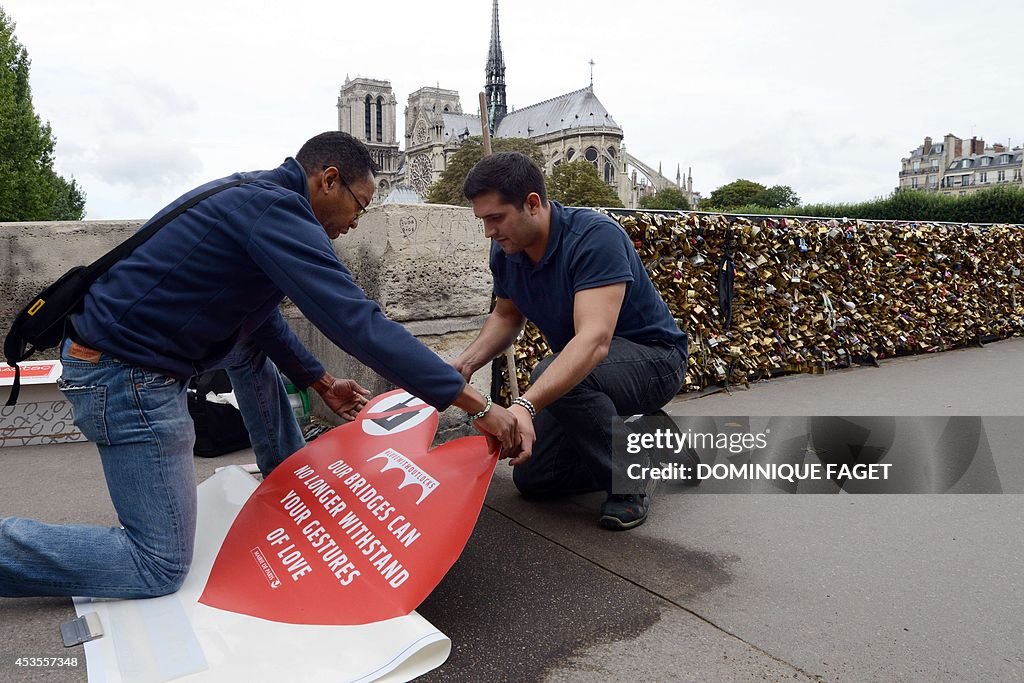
(618, 351)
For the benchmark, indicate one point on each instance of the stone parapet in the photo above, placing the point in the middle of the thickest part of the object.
(420, 262)
(33, 255)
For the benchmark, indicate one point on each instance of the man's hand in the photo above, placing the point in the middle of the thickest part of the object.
(500, 330)
(527, 435)
(343, 396)
(499, 426)
(463, 368)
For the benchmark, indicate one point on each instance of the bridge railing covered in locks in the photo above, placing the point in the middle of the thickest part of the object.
(765, 295)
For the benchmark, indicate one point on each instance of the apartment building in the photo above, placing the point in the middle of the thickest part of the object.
(956, 166)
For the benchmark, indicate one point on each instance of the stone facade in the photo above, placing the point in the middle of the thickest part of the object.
(566, 128)
(434, 126)
(571, 127)
(367, 110)
(960, 167)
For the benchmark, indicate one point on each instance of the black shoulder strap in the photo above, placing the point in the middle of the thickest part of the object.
(103, 263)
(94, 270)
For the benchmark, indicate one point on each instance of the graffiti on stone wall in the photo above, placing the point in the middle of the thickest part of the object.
(408, 226)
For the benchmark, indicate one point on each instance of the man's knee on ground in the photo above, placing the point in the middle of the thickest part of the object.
(521, 481)
(164, 576)
(528, 484)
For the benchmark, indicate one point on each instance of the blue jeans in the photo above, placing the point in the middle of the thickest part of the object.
(573, 451)
(139, 421)
(263, 402)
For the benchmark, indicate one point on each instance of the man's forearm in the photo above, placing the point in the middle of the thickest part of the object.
(287, 351)
(594, 314)
(497, 334)
(579, 357)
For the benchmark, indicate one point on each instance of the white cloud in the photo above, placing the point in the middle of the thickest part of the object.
(127, 161)
(824, 97)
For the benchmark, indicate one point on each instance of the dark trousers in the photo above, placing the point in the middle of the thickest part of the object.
(573, 452)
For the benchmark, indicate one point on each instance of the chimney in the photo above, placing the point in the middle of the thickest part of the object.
(927, 146)
(977, 146)
(998, 148)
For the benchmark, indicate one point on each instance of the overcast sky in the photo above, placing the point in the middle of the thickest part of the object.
(149, 99)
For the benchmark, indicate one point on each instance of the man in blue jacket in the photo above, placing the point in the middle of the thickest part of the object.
(204, 293)
(618, 351)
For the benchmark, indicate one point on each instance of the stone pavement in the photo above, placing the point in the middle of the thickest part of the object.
(713, 587)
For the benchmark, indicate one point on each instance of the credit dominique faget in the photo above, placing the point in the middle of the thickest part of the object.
(669, 440)
(338, 559)
(766, 471)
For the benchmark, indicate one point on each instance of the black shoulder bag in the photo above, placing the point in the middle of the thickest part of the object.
(42, 323)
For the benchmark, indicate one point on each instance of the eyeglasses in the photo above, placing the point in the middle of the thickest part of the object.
(362, 207)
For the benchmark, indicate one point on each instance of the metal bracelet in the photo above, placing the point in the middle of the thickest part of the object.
(483, 413)
(525, 402)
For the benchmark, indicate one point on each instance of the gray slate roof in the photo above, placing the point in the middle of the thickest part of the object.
(577, 109)
(975, 160)
(919, 152)
(457, 124)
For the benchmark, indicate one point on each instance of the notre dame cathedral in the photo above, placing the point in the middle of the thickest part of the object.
(566, 128)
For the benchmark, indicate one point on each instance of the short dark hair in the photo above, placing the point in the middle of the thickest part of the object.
(337, 149)
(513, 175)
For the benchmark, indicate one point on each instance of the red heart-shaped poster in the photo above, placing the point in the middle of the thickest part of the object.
(358, 526)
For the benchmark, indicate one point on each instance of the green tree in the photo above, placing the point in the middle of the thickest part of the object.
(666, 198)
(777, 197)
(448, 188)
(737, 193)
(30, 190)
(578, 184)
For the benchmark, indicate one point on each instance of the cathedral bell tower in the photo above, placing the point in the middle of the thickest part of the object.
(367, 112)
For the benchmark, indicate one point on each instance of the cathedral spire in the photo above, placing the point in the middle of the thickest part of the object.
(495, 72)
